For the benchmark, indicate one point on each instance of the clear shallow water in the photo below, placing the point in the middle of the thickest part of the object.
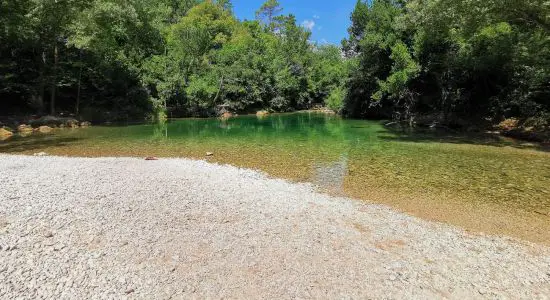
(480, 182)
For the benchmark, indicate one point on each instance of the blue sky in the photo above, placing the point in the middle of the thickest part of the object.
(327, 19)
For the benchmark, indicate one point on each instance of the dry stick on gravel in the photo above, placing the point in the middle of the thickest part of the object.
(181, 228)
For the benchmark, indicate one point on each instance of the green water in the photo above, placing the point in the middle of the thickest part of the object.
(363, 159)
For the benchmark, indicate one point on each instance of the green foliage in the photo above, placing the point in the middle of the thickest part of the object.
(335, 100)
(244, 66)
(329, 71)
(268, 12)
(468, 59)
(159, 114)
(122, 59)
(404, 70)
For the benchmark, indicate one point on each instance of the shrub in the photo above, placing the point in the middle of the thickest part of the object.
(335, 100)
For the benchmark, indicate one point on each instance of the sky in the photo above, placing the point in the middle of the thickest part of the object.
(328, 20)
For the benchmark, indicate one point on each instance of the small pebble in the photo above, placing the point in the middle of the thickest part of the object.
(191, 229)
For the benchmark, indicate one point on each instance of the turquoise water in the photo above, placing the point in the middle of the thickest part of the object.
(363, 159)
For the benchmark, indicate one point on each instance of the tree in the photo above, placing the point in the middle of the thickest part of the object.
(225, 4)
(50, 19)
(328, 73)
(205, 28)
(359, 19)
(16, 57)
(268, 12)
(468, 59)
(121, 59)
(373, 36)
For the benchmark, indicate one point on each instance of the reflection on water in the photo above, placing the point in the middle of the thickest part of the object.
(480, 182)
(160, 131)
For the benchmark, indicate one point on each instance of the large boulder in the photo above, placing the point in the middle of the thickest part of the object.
(71, 123)
(328, 111)
(5, 133)
(23, 128)
(44, 129)
(45, 121)
(52, 121)
(5, 128)
(262, 113)
(226, 115)
(508, 124)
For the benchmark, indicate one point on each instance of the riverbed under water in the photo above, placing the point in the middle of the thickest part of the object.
(483, 183)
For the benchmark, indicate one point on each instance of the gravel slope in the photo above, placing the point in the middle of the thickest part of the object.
(175, 228)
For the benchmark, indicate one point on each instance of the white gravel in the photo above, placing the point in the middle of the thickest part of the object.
(77, 228)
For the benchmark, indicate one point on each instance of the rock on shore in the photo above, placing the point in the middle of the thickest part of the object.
(77, 228)
(5, 133)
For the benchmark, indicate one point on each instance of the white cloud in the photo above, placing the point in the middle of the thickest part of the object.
(323, 42)
(316, 17)
(309, 24)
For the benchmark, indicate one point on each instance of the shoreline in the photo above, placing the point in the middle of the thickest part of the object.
(310, 186)
(172, 227)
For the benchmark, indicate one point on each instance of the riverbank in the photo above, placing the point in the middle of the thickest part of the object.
(26, 126)
(113, 227)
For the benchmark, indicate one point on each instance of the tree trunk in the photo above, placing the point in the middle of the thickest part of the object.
(41, 83)
(219, 90)
(77, 111)
(54, 79)
(41, 92)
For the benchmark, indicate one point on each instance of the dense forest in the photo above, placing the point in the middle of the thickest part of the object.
(453, 62)
(106, 59)
(456, 61)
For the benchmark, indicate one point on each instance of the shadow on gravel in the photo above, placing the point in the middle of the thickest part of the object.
(34, 143)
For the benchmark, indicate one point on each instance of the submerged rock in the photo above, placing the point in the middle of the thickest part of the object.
(209, 153)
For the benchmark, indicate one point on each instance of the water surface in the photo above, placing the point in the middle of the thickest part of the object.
(480, 182)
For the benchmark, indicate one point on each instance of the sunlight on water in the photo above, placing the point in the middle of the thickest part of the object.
(480, 182)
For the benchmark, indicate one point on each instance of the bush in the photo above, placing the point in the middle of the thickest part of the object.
(540, 122)
(280, 103)
(335, 100)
